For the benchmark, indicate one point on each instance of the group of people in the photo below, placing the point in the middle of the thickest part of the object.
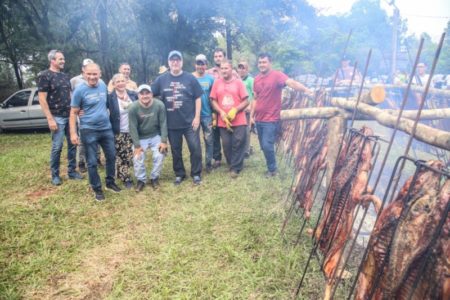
(127, 120)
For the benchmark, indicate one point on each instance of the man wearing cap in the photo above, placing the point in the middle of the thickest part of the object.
(54, 98)
(206, 81)
(243, 72)
(95, 128)
(124, 69)
(180, 93)
(266, 107)
(345, 73)
(229, 99)
(148, 129)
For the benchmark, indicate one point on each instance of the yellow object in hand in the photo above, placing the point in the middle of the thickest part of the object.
(232, 114)
(228, 124)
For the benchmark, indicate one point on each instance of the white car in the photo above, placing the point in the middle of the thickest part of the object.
(22, 111)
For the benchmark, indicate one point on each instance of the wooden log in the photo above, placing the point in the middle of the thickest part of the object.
(313, 113)
(424, 133)
(336, 130)
(414, 88)
(374, 96)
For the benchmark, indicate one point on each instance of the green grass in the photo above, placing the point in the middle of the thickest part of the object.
(220, 240)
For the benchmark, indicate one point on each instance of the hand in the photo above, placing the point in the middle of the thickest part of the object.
(74, 139)
(80, 113)
(252, 120)
(138, 151)
(214, 120)
(232, 114)
(163, 148)
(52, 124)
(196, 123)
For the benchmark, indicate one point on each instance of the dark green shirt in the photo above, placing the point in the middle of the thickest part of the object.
(147, 122)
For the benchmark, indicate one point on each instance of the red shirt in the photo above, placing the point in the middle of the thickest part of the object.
(267, 88)
(229, 94)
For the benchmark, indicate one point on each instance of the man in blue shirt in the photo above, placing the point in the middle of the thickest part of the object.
(95, 128)
(206, 81)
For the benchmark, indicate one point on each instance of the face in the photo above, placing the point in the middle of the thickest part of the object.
(120, 83)
(218, 57)
(242, 70)
(345, 63)
(92, 74)
(125, 70)
(264, 65)
(421, 69)
(145, 97)
(200, 67)
(175, 65)
(226, 70)
(58, 61)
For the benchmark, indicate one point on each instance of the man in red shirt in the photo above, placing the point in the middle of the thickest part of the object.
(229, 100)
(266, 107)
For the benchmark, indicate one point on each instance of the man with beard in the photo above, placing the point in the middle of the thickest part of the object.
(95, 128)
(124, 69)
(266, 107)
(229, 99)
(54, 98)
(180, 93)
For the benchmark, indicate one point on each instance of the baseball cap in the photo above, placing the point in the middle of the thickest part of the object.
(87, 61)
(144, 87)
(201, 58)
(175, 53)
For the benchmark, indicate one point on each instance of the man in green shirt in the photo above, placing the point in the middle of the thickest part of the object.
(148, 129)
(243, 72)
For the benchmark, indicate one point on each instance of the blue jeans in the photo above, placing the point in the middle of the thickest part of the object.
(176, 144)
(158, 158)
(267, 134)
(206, 123)
(91, 139)
(57, 144)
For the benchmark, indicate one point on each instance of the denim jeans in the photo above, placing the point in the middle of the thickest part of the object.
(91, 139)
(176, 144)
(267, 134)
(57, 144)
(234, 146)
(206, 123)
(158, 158)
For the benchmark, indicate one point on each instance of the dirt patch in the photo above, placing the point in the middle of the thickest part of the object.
(95, 274)
(35, 196)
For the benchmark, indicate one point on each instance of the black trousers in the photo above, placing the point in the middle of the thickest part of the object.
(217, 149)
(234, 146)
(176, 144)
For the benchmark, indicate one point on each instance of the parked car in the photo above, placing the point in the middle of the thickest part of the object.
(22, 111)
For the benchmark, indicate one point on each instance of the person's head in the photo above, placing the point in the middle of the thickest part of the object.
(219, 55)
(345, 62)
(85, 62)
(421, 68)
(119, 82)
(264, 62)
(145, 95)
(56, 59)
(226, 69)
(243, 69)
(175, 60)
(92, 74)
(125, 69)
(201, 63)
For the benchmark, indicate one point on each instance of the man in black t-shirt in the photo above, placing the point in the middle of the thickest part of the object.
(54, 98)
(181, 92)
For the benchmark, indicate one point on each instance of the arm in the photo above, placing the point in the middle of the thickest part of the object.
(133, 128)
(44, 105)
(198, 108)
(252, 109)
(298, 86)
(164, 131)
(73, 125)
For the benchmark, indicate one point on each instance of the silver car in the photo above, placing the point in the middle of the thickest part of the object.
(22, 111)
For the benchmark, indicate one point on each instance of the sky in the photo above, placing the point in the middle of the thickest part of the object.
(429, 16)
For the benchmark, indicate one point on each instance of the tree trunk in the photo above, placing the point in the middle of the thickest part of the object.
(228, 39)
(102, 15)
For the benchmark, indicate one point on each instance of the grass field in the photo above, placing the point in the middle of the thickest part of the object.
(219, 240)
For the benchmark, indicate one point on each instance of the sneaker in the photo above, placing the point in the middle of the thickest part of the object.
(208, 169)
(82, 167)
(56, 180)
(99, 196)
(154, 183)
(197, 180)
(128, 184)
(269, 174)
(75, 175)
(234, 174)
(179, 180)
(113, 187)
(140, 186)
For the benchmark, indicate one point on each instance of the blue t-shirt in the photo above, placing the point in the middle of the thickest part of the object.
(206, 82)
(92, 100)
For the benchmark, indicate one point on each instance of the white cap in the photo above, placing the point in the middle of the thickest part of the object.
(87, 61)
(201, 57)
(144, 87)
